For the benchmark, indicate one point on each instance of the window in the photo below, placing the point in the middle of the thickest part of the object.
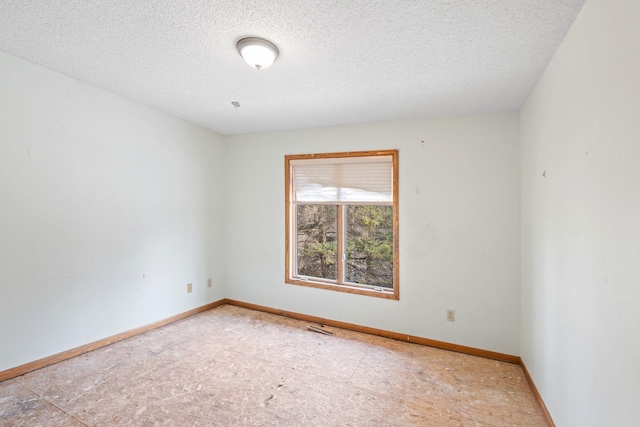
(342, 222)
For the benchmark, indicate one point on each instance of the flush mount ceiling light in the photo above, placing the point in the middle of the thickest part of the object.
(258, 53)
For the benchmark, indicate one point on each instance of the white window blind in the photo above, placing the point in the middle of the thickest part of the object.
(343, 180)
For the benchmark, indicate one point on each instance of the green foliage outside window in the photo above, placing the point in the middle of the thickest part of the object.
(368, 245)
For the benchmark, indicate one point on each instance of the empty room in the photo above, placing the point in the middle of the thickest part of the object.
(320, 213)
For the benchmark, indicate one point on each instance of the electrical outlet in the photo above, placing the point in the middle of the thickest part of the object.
(451, 315)
(189, 288)
(209, 283)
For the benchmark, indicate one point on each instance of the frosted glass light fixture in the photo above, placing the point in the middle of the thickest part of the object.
(258, 53)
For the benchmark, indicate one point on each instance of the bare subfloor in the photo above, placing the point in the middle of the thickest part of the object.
(231, 366)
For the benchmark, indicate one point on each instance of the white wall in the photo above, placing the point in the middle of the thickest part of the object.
(581, 223)
(459, 227)
(107, 210)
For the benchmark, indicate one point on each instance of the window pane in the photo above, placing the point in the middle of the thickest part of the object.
(317, 241)
(369, 245)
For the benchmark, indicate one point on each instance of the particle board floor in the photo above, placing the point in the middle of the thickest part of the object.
(231, 366)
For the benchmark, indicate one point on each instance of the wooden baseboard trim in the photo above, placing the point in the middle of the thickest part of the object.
(50, 360)
(382, 333)
(537, 395)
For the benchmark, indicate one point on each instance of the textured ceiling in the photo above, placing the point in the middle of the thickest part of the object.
(340, 61)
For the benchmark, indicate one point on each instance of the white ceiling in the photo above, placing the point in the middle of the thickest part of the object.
(340, 61)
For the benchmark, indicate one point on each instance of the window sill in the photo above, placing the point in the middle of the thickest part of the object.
(352, 289)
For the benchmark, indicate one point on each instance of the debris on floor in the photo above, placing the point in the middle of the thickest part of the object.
(266, 402)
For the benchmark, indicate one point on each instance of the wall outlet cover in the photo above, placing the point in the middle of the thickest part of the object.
(451, 315)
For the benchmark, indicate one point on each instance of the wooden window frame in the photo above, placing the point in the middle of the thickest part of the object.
(290, 233)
